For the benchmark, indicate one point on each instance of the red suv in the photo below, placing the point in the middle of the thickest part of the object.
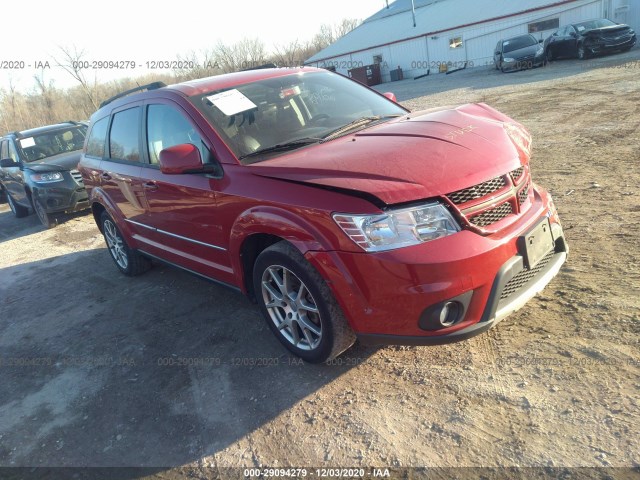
(340, 212)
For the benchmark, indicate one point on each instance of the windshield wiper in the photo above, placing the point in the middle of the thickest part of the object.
(358, 122)
(283, 147)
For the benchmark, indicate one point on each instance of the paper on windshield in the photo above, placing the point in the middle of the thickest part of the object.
(231, 102)
(27, 142)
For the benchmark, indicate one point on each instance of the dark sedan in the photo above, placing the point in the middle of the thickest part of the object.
(518, 53)
(585, 39)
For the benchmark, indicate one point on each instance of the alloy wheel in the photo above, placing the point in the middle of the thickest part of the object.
(115, 244)
(291, 307)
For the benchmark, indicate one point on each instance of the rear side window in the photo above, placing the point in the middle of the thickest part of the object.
(124, 140)
(97, 138)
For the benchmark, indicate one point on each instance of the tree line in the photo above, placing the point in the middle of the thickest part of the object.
(46, 103)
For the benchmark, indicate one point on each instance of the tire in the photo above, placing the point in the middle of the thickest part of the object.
(550, 57)
(582, 52)
(312, 327)
(18, 210)
(45, 218)
(128, 261)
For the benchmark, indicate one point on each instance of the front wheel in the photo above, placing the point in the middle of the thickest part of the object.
(18, 210)
(45, 218)
(550, 56)
(582, 52)
(128, 261)
(298, 305)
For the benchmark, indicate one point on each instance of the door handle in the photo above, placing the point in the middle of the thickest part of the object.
(105, 176)
(151, 186)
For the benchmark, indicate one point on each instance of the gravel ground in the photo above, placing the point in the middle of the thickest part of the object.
(171, 372)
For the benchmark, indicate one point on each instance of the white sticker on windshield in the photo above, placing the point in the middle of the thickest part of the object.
(506, 43)
(231, 102)
(580, 28)
(27, 142)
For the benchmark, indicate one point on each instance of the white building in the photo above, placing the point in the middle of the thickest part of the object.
(453, 32)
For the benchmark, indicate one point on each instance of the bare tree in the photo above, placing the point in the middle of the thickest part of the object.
(345, 26)
(289, 55)
(196, 65)
(72, 63)
(47, 96)
(247, 53)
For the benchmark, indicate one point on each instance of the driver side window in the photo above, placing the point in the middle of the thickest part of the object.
(13, 153)
(4, 151)
(167, 127)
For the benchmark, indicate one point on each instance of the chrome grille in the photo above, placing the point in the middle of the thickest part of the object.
(523, 194)
(477, 191)
(525, 276)
(77, 176)
(517, 173)
(492, 216)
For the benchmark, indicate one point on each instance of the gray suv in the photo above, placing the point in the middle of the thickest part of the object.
(38, 170)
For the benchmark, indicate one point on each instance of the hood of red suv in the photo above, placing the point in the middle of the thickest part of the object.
(422, 155)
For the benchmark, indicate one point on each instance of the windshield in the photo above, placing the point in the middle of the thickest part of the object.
(593, 24)
(291, 111)
(55, 142)
(518, 42)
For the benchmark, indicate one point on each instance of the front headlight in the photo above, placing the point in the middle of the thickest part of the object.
(519, 136)
(508, 60)
(46, 177)
(540, 51)
(398, 228)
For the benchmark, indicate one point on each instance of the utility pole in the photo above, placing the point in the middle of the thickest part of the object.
(413, 12)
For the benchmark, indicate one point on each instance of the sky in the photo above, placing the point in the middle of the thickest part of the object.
(146, 31)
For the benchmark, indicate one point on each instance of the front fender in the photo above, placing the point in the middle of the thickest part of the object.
(278, 222)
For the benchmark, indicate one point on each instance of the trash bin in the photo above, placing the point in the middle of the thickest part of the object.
(396, 74)
(369, 74)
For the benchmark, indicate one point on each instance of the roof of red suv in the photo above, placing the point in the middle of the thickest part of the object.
(219, 82)
(203, 85)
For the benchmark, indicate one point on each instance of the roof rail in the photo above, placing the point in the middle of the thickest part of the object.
(260, 67)
(149, 86)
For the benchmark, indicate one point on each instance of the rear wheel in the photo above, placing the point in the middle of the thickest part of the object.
(298, 305)
(46, 219)
(128, 261)
(18, 210)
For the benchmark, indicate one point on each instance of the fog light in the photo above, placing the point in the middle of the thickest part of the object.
(449, 313)
(445, 314)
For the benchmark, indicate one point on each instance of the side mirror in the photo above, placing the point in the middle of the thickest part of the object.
(574, 34)
(183, 158)
(8, 163)
(540, 41)
(391, 96)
